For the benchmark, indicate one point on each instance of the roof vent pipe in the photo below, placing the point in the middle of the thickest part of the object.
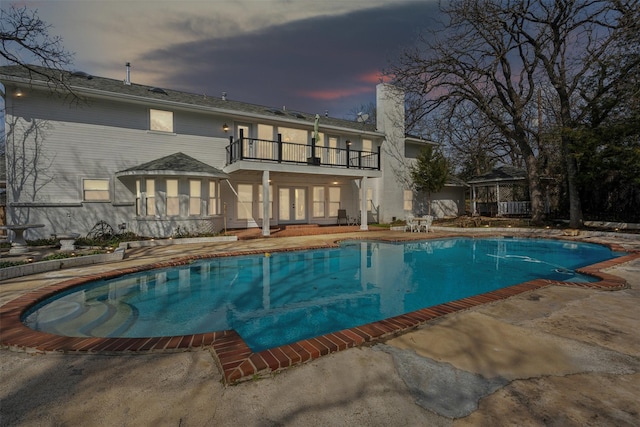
(224, 96)
(127, 79)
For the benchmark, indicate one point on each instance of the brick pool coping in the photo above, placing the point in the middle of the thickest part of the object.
(235, 360)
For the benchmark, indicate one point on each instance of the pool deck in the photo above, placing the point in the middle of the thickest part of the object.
(501, 342)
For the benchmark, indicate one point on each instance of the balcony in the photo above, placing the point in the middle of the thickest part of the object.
(260, 150)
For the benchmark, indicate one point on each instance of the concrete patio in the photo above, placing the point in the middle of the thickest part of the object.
(560, 356)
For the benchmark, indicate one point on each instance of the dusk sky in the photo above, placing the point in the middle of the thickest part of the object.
(309, 56)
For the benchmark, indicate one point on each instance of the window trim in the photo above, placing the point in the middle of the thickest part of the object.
(108, 199)
(162, 131)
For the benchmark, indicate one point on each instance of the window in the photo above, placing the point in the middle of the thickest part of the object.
(266, 149)
(138, 198)
(318, 202)
(366, 145)
(260, 202)
(332, 151)
(160, 120)
(369, 198)
(173, 201)
(195, 193)
(334, 201)
(291, 139)
(320, 151)
(95, 190)
(213, 198)
(245, 201)
(151, 197)
(408, 200)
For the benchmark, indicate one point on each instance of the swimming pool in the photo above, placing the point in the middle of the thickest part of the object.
(279, 298)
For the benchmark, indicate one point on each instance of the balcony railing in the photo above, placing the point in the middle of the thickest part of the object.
(253, 149)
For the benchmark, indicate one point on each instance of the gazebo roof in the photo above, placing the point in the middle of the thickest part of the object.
(500, 174)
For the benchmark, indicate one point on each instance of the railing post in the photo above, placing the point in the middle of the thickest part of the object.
(348, 154)
(279, 148)
(241, 144)
(360, 159)
(379, 157)
(313, 148)
(232, 158)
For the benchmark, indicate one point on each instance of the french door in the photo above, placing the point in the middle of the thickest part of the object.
(292, 204)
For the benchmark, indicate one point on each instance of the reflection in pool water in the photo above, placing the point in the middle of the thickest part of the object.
(279, 298)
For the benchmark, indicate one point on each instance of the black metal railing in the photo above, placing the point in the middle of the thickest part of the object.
(253, 149)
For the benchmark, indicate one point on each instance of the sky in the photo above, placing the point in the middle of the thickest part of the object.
(308, 56)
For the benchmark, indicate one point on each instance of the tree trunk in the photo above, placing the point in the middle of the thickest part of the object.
(575, 206)
(535, 190)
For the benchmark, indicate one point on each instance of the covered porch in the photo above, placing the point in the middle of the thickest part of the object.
(295, 196)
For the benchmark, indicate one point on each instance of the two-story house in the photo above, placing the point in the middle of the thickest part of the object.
(150, 160)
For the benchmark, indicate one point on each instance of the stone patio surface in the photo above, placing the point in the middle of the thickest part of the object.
(556, 356)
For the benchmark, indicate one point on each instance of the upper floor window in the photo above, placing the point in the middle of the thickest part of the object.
(95, 190)
(367, 145)
(160, 120)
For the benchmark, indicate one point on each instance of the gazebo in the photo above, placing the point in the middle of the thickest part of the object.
(501, 192)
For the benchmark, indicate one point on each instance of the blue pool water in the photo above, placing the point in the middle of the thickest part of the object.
(279, 298)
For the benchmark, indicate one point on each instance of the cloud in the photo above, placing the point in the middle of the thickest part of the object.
(307, 55)
(332, 94)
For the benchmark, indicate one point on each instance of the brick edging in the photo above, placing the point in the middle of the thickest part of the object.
(236, 361)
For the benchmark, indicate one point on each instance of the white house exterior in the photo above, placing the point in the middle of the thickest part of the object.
(156, 161)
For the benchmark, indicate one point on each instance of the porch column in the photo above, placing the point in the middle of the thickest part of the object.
(473, 199)
(363, 204)
(265, 204)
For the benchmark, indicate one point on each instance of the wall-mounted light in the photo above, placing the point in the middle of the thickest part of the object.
(348, 143)
(225, 127)
(18, 93)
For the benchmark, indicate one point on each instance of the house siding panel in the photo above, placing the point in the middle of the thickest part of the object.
(91, 141)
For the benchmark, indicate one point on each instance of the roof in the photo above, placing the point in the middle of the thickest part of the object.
(454, 181)
(502, 173)
(174, 164)
(86, 83)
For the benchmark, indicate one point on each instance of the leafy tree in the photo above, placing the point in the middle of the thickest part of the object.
(430, 172)
(498, 57)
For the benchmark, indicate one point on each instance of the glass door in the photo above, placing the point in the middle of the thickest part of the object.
(292, 204)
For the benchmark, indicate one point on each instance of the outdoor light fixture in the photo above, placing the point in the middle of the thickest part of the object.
(225, 127)
(18, 93)
(348, 143)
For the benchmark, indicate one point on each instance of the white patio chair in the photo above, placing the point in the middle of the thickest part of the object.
(412, 225)
(426, 223)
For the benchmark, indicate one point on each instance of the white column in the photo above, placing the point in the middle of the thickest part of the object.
(473, 199)
(265, 204)
(363, 204)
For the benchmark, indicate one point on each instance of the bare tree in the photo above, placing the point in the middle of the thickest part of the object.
(365, 113)
(25, 41)
(473, 144)
(497, 56)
